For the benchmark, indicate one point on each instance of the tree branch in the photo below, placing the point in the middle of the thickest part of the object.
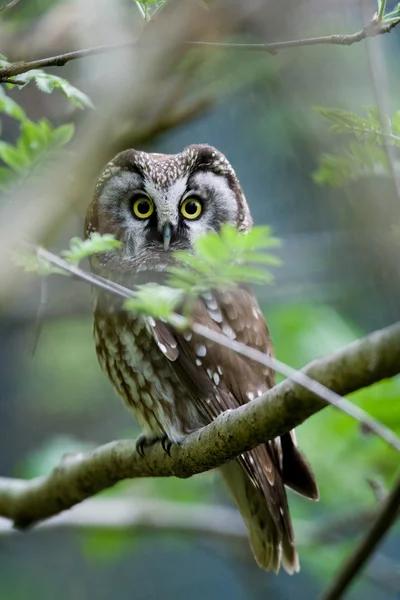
(373, 29)
(282, 408)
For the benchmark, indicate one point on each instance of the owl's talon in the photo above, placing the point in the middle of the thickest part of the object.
(166, 444)
(143, 442)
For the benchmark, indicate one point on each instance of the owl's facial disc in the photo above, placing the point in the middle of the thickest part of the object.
(156, 203)
(169, 218)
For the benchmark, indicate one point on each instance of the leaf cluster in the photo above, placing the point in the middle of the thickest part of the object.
(79, 249)
(219, 261)
(47, 83)
(38, 141)
(36, 144)
(97, 243)
(366, 155)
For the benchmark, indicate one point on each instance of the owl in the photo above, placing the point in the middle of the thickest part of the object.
(176, 382)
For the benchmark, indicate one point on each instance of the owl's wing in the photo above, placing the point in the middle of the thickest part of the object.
(219, 379)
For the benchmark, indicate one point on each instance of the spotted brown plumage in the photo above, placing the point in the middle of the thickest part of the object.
(176, 382)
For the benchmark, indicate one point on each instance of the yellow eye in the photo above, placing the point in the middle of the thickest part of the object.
(191, 208)
(142, 208)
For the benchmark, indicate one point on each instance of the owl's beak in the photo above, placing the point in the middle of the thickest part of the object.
(167, 235)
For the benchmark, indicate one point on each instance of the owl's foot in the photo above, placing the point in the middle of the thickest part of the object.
(144, 441)
(167, 444)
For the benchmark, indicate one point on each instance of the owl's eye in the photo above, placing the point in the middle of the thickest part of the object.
(191, 208)
(142, 208)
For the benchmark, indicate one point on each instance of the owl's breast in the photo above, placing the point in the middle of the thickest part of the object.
(142, 375)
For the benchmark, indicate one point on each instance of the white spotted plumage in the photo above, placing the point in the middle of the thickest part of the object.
(176, 382)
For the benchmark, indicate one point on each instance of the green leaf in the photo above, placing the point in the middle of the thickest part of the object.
(14, 157)
(9, 107)
(220, 260)
(35, 145)
(62, 135)
(343, 121)
(357, 160)
(96, 243)
(47, 83)
(151, 2)
(31, 263)
(157, 301)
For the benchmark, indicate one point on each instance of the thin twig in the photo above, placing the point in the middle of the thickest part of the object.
(13, 81)
(329, 396)
(9, 5)
(373, 29)
(385, 519)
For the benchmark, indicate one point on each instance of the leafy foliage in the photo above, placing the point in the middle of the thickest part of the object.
(158, 301)
(356, 161)
(9, 107)
(35, 145)
(46, 82)
(37, 141)
(32, 263)
(150, 7)
(218, 262)
(80, 249)
(364, 157)
(392, 16)
(222, 259)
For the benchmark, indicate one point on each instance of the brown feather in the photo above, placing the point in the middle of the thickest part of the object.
(221, 380)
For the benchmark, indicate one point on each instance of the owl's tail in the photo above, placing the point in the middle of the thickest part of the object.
(270, 543)
(256, 484)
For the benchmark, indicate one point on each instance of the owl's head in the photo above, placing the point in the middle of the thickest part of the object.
(157, 203)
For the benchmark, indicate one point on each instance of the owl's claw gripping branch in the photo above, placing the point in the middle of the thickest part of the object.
(144, 441)
(167, 444)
